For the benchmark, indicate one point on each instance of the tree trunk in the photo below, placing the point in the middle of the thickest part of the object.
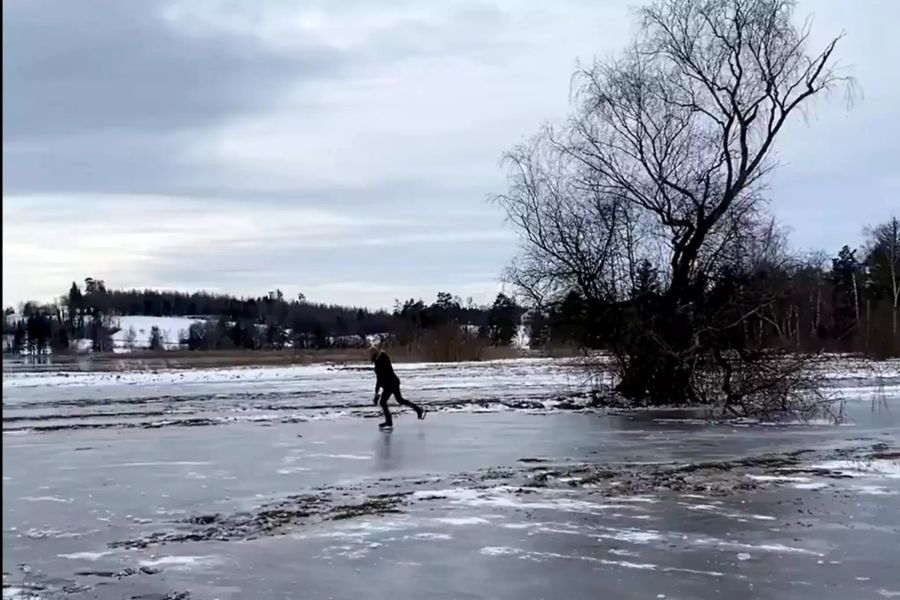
(894, 320)
(868, 322)
(818, 313)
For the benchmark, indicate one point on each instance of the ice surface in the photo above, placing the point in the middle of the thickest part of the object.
(98, 459)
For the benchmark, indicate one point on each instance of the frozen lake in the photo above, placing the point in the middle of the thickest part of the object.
(276, 483)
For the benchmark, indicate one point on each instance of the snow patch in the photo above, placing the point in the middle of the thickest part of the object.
(174, 463)
(14, 592)
(46, 499)
(504, 497)
(499, 551)
(813, 485)
(544, 556)
(780, 548)
(889, 469)
(430, 536)
(85, 555)
(778, 478)
(342, 456)
(619, 552)
(519, 525)
(632, 536)
(40, 534)
(458, 521)
(874, 490)
(178, 562)
(291, 470)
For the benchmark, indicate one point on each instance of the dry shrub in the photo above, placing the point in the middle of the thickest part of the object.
(449, 343)
(769, 385)
(766, 384)
(445, 347)
(562, 351)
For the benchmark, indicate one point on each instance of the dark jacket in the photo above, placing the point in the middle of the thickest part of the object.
(385, 377)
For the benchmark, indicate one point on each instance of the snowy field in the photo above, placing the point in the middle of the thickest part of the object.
(134, 331)
(276, 483)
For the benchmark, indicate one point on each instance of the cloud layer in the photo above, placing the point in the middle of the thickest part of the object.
(340, 148)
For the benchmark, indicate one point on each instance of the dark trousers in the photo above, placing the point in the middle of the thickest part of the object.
(386, 394)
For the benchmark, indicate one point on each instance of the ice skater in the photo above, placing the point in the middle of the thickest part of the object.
(387, 384)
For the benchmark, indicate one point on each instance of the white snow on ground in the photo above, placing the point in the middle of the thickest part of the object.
(179, 562)
(545, 556)
(429, 536)
(631, 536)
(46, 499)
(842, 366)
(86, 555)
(874, 490)
(776, 548)
(172, 329)
(13, 592)
(620, 552)
(777, 478)
(889, 469)
(523, 373)
(341, 456)
(506, 497)
(459, 521)
(100, 378)
(499, 551)
(815, 485)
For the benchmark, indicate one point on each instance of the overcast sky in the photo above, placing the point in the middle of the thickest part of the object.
(344, 148)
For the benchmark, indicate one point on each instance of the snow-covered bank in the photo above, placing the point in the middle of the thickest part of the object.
(468, 373)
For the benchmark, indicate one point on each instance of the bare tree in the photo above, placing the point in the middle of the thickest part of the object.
(130, 339)
(573, 236)
(884, 261)
(673, 139)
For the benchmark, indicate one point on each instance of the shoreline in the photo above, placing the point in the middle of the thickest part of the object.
(189, 360)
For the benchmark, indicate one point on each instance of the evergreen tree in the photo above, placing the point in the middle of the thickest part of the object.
(156, 341)
(503, 320)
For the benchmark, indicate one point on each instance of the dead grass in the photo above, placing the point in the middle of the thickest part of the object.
(186, 359)
(412, 354)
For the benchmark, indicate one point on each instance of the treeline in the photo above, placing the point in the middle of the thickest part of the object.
(87, 317)
(845, 303)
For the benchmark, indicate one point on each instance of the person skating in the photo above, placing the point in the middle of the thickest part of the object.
(387, 384)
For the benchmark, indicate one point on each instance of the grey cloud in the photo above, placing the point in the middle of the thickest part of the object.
(102, 95)
(102, 162)
(105, 96)
(106, 65)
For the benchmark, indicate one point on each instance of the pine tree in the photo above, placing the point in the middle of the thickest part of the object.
(503, 320)
(156, 341)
